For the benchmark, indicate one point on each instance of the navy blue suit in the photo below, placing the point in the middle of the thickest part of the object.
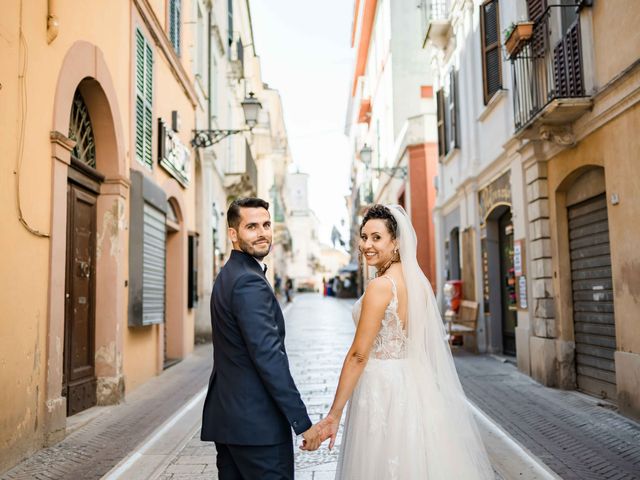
(252, 402)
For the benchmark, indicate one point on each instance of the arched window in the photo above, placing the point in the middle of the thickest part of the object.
(81, 132)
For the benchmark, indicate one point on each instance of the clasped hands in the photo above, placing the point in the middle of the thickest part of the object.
(327, 428)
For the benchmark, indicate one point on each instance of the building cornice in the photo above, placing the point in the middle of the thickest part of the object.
(164, 45)
(366, 27)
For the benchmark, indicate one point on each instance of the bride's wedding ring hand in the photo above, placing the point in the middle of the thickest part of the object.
(329, 426)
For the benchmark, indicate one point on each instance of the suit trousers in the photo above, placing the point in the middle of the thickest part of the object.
(249, 462)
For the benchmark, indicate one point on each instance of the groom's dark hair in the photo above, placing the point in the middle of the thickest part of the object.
(233, 213)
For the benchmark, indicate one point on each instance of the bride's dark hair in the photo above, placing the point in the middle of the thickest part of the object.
(380, 212)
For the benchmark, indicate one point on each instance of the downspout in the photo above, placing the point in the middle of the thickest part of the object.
(209, 69)
(53, 24)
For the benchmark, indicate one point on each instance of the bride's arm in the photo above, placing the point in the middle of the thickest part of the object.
(376, 299)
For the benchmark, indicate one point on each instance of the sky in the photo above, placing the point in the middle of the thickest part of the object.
(305, 53)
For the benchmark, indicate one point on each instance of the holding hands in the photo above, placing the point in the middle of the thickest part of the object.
(327, 428)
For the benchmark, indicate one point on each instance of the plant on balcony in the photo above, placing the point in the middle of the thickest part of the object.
(516, 35)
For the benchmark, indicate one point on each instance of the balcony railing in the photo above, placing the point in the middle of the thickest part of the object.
(436, 22)
(548, 76)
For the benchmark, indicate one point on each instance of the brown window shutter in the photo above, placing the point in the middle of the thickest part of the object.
(442, 141)
(535, 8)
(567, 71)
(491, 56)
(454, 140)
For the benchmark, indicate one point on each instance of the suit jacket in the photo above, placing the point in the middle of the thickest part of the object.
(252, 399)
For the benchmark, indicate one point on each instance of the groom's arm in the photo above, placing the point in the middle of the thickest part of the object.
(253, 307)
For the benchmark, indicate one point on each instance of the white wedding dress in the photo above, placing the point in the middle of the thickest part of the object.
(408, 418)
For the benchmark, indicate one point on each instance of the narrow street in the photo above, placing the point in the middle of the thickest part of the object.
(531, 432)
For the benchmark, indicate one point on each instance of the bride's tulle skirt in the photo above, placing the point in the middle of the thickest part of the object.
(382, 438)
(394, 431)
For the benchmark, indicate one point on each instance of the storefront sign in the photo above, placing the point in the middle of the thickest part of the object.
(522, 292)
(518, 258)
(496, 193)
(173, 156)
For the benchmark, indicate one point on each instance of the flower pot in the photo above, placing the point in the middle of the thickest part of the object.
(518, 37)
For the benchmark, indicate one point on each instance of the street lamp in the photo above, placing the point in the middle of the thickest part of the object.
(205, 138)
(399, 171)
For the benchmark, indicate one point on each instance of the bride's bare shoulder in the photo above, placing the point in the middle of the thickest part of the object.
(378, 290)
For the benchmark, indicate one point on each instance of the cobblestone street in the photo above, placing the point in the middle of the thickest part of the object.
(523, 423)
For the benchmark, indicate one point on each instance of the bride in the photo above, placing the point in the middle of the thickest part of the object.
(407, 417)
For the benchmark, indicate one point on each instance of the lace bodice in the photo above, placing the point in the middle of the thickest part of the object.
(391, 341)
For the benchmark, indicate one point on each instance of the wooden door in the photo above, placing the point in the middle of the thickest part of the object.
(507, 287)
(79, 381)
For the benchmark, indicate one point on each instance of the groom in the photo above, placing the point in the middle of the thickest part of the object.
(252, 402)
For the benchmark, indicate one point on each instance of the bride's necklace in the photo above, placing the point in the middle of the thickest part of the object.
(386, 266)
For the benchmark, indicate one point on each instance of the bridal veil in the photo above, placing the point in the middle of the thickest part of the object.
(451, 442)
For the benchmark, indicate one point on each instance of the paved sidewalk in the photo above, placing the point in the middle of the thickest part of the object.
(102, 436)
(575, 435)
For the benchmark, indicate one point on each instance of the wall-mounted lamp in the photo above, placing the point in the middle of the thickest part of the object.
(399, 171)
(251, 108)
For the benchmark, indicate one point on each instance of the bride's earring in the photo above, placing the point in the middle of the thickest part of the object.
(360, 257)
(396, 255)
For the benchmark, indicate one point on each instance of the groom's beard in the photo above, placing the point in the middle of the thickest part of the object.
(256, 249)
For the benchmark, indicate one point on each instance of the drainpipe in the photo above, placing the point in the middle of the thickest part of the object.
(209, 69)
(53, 24)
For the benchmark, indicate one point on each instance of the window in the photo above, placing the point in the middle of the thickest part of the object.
(174, 24)
(201, 45)
(448, 115)
(144, 99)
(230, 25)
(490, 39)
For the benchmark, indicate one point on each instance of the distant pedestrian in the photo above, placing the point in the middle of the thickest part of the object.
(288, 289)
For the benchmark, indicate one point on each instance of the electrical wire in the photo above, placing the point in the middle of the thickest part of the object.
(22, 107)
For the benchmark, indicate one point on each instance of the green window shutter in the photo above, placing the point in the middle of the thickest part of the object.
(174, 24)
(144, 100)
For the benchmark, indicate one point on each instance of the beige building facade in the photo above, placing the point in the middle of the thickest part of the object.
(536, 211)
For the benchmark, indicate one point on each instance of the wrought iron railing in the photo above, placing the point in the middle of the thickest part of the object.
(548, 67)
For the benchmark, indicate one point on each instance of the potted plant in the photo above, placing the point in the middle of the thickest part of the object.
(516, 35)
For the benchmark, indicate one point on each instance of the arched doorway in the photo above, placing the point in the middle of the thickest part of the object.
(591, 284)
(500, 280)
(88, 241)
(83, 188)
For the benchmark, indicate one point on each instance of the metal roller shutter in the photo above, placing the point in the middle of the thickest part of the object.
(153, 265)
(593, 315)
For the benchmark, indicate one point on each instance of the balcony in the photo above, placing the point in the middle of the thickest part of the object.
(548, 74)
(437, 23)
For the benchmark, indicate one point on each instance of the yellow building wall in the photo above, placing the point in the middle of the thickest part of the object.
(615, 146)
(616, 37)
(26, 258)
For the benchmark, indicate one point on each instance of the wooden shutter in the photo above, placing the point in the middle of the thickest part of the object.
(442, 141)
(144, 100)
(454, 138)
(192, 274)
(174, 24)
(567, 67)
(535, 8)
(491, 59)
